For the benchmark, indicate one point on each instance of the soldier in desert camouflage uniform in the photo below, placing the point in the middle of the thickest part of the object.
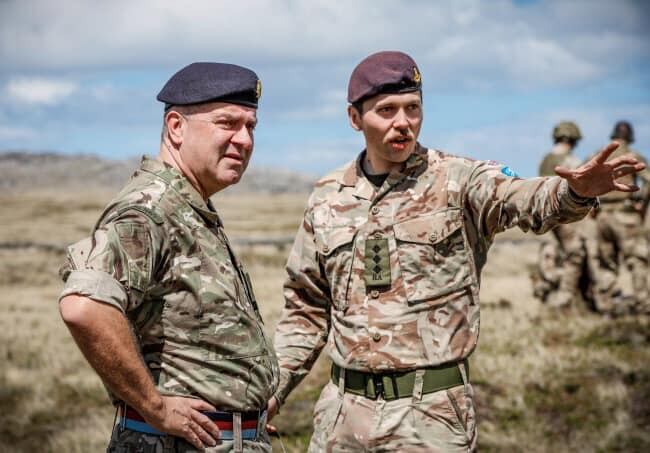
(561, 262)
(385, 271)
(155, 297)
(621, 237)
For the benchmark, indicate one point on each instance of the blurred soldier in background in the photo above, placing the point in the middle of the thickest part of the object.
(621, 237)
(561, 261)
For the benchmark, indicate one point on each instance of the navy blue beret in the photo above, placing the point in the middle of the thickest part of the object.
(383, 72)
(211, 82)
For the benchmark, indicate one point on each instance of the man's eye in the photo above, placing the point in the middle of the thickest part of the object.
(228, 124)
(386, 109)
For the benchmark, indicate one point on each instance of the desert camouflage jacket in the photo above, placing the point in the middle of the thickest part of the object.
(553, 159)
(159, 254)
(389, 278)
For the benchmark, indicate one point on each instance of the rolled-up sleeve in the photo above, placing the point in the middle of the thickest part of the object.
(96, 285)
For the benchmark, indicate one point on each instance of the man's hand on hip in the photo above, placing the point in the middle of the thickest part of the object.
(182, 417)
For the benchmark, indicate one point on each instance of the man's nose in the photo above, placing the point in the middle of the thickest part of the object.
(243, 137)
(400, 121)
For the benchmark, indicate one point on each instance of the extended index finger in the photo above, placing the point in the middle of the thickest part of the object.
(604, 153)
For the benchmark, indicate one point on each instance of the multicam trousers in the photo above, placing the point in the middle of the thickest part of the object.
(127, 441)
(442, 421)
(569, 273)
(621, 239)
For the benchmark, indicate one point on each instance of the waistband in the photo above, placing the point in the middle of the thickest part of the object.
(392, 386)
(251, 423)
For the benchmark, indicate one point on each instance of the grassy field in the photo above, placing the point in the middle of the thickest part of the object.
(545, 381)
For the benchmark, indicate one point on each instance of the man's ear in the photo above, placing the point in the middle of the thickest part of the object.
(175, 126)
(355, 118)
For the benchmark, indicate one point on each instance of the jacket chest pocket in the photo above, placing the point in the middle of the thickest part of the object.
(335, 248)
(433, 255)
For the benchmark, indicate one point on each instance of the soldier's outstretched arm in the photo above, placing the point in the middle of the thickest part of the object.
(599, 176)
(302, 331)
(103, 335)
(495, 200)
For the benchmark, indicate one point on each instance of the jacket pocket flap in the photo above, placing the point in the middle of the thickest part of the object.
(429, 229)
(328, 241)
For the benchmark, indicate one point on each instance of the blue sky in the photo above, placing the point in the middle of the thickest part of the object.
(82, 76)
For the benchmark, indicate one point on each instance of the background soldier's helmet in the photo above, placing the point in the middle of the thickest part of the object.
(623, 130)
(567, 129)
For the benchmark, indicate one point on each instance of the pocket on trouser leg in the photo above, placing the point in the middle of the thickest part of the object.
(461, 399)
(445, 420)
(127, 441)
(326, 412)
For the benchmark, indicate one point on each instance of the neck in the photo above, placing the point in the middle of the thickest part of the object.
(377, 167)
(172, 156)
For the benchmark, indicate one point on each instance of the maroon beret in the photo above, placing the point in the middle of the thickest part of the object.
(383, 72)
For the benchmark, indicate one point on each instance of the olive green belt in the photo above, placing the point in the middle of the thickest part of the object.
(392, 386)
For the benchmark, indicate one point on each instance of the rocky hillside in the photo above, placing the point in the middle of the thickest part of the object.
(25, 170)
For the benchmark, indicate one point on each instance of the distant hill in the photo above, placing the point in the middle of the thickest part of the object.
(24, 170)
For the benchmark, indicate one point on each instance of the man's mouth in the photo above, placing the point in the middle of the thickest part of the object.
(399, 143)
(235, 156)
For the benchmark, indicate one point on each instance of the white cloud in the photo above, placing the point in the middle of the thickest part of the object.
(39, 90)
(549, 42)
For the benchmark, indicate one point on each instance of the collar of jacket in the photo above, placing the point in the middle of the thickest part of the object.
(353, 175)
(182, 186)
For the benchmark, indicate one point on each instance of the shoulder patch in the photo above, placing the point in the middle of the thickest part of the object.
(509, 172)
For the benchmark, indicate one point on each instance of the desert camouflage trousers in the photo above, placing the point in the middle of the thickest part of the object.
(128, 441)
(621, 240)
(442, 421)
(561, 266)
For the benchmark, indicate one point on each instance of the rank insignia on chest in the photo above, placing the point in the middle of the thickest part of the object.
(377, 260)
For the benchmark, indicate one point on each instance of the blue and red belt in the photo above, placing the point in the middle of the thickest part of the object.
(250, 423)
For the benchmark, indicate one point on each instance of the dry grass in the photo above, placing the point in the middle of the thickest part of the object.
(545, 381)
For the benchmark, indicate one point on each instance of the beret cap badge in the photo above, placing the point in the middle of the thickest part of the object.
(417, 78)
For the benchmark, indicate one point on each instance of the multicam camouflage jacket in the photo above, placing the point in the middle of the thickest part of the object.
(389, 278)
(159, 254)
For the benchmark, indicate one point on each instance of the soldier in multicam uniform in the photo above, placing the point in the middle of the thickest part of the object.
(561, 262)
(386, 266)
(621, 237)
(155, 297)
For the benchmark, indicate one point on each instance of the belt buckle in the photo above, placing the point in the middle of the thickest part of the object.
(378, 385)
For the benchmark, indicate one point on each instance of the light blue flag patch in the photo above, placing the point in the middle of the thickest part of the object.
(509, 172)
